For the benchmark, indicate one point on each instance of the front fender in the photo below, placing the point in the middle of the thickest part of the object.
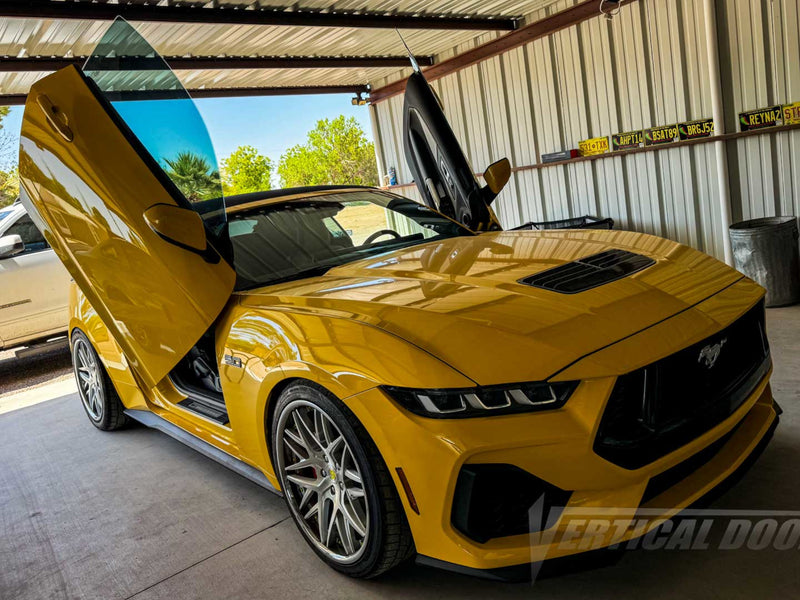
(262, 348)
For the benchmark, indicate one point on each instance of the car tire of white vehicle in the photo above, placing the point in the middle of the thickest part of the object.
(98, 396)
(336, 485)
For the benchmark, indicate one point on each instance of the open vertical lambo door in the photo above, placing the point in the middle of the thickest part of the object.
(441, 170)
(118, 170)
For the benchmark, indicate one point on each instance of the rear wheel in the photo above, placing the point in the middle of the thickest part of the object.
(338, 489)
(98, 396)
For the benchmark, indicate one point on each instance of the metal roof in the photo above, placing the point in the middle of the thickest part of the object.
(47, 37)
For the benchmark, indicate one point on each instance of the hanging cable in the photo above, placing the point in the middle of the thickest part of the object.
(612, 11)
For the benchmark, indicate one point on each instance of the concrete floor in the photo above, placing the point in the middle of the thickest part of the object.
(134, 514)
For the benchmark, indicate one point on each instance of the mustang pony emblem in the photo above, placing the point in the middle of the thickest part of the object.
(710, 353)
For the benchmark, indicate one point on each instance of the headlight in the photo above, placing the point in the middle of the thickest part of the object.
(483, 401)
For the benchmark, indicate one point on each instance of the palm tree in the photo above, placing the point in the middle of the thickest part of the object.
(194, 176)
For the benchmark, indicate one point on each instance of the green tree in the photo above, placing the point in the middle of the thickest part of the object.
(9, 186)
(245, 170)
(336, 152)
(9, 180)
(194, 176)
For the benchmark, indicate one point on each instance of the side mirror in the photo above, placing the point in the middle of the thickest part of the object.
(497, 175)
(182, 227)
(11, 245)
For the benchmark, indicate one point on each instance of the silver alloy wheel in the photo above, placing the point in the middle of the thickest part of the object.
(322, 481)
(87, 373)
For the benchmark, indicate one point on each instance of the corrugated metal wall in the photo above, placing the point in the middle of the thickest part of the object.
(646, 67)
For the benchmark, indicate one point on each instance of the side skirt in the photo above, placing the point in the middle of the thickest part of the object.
(152, 420)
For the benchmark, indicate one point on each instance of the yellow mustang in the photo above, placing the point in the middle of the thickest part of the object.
(410, 386)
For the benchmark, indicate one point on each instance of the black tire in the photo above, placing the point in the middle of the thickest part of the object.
(105, 409)
(389, 541)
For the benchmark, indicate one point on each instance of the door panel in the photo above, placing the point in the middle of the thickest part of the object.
(91, 192)
(34, 288)
(443, 175)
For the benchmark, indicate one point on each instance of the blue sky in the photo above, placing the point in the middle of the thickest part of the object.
(271, 124)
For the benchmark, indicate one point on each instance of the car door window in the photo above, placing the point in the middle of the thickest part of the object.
(31, 236)
(156, 109)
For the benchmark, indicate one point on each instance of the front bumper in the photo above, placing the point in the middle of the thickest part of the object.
(600, 556)
(556, 447)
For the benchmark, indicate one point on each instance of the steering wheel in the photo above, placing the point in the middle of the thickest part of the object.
(378, 234)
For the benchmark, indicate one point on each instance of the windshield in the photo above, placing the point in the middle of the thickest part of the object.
(303, 238)
(150, 99)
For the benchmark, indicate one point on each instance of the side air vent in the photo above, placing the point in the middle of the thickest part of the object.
(589, 272)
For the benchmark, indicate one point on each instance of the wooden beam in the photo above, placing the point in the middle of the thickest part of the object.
(250, 15)
(542, 28)
(11, 64)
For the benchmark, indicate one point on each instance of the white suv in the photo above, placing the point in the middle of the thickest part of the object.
(34, 286)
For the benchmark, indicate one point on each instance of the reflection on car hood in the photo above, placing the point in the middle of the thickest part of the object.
(460, 298)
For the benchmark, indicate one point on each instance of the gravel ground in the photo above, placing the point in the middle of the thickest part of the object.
(24, 369)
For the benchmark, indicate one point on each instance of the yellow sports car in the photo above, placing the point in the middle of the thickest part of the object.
(411, 380)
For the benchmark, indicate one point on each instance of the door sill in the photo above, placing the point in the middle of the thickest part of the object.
(152, 420)
(212, 413)
(205, 405)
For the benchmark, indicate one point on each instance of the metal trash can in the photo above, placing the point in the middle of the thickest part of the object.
(766, 251)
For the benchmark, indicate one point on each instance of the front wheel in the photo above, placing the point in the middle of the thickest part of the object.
(337, 487)
(100, 400)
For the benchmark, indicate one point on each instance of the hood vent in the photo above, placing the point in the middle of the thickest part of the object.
(589, 272)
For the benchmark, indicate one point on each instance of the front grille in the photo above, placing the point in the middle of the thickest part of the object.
(665, 405)
(673, 476)
(589, 272)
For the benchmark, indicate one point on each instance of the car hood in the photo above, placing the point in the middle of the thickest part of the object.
(460, 299)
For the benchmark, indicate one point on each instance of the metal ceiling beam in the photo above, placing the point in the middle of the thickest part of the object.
(240, 92)
(249, 15)
(539, 29)
(12, 99)
(11, 64)
(278, 91)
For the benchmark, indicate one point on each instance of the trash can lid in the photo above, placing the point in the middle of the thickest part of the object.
(765, 223)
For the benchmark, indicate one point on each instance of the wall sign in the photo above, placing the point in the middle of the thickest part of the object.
(627, 140)
(791, 114)
(593, 146)
(658, 136)
(761, 118)
(693, 130)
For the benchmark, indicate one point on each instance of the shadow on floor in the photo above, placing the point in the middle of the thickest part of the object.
(21, 368)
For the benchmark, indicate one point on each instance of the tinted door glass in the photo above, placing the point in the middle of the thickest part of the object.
(151, 101)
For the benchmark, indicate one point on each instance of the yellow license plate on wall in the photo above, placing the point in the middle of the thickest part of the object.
(593, 146)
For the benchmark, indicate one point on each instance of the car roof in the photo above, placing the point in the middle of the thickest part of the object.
(241, 202)
(238, 202)
(240, 199)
